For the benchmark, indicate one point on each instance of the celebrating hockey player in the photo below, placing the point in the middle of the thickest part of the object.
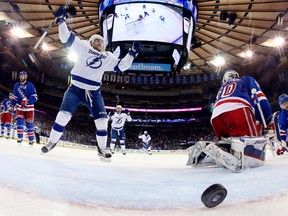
(6, 116)
(241, 111)
(146, 138)
(86, 76)
(283, 122)
(117, 128)
(25, 96)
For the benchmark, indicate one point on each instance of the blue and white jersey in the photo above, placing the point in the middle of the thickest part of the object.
(91, 64)
(119, 119)
(236, 94)
(283, 124)
(24, 91)
(145, 138)
(5, 104)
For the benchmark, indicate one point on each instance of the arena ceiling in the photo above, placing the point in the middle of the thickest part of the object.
(249, 25)
(256, 24)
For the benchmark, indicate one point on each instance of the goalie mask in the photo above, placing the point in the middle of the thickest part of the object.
(229, 75)
(283, 101)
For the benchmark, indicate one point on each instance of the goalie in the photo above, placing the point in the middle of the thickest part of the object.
(239, 114)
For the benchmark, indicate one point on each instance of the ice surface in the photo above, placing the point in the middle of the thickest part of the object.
(72, 182)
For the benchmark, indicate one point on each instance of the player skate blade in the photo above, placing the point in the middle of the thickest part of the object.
(105, 159)
(44, 149)
(214, 195)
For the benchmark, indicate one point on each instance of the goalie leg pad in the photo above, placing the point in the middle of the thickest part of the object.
(223, 158)
(195, 153)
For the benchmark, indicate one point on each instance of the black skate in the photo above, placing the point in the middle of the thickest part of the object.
(31, 143)
(48, 147)
(19, 141)
(103, 155)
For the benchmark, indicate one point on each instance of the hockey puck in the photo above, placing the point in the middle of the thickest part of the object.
(214, 195)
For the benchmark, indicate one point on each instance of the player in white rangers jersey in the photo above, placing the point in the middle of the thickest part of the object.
(146, 138)
(117, 128)
(86, 76)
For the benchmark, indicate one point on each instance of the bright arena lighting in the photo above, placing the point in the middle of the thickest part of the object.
(72, 56)
(278, 41)
(16, 32)
(249, 53)
(218, 61)
(45, 46)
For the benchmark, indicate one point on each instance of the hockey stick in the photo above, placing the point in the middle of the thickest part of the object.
(118, 100)
(68, 2)
(253, 92)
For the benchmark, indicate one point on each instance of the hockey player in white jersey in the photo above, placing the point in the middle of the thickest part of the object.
(117, 128)
(86, 76)
(146, 138)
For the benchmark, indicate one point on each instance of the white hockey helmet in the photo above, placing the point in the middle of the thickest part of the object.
(229, 75)
(118, 106)
(95, 37)
(145, 132)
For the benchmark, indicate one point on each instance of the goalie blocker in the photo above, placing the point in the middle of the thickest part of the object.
(234, 153)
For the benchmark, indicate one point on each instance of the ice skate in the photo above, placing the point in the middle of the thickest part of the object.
(19, 141)
(31, 143)
(123, 152)
(48, 147)
(104, 156)
(112, 151)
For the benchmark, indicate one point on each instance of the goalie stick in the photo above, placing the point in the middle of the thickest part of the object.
(254, 93)
(68, 2)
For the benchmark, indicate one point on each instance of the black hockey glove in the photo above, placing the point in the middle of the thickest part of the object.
(60, 14)
(135, 49)
(127, 111)
(111, 113)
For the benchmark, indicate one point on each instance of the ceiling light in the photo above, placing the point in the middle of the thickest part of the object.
(45, 46)
(278, 41)
(249, 53)
(16, 32)
(218, 61)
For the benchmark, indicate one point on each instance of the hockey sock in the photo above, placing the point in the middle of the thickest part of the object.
(20, 128)
(112, 146)
(8, 126)
(101, 137)
(56, 132)
(122, 145)
(2, 128)
(30, 131)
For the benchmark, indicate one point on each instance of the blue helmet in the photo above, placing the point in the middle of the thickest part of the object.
(283, 98)
(24, 73)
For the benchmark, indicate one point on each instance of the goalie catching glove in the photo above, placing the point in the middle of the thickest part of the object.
(135, 49)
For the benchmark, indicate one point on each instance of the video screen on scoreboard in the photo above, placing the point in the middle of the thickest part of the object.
(147, 22)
